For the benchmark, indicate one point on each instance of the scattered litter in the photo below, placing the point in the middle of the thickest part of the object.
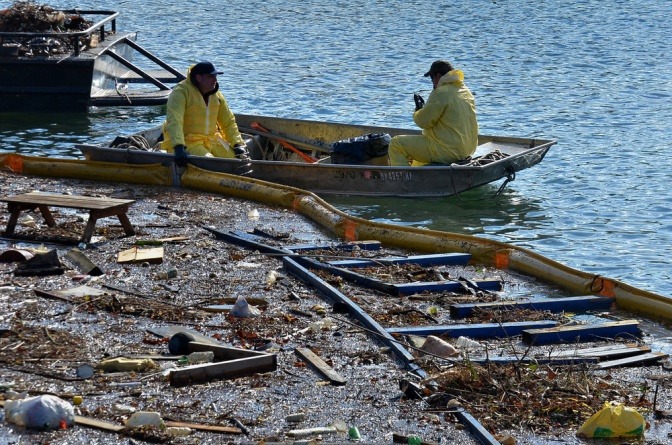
(247, 265)
(271, 278)
(353, 434)
(145, 419)
(613, 420)
(135, 255)
(125, 384)
(15, 255)
(467, 343)
(178, 431)
(85, 371)
(338, 427)
(441, 348)
(85, 265)
(122, 364)
(40, 265)
(253, 215)
(296, 417)
(45, 412)
(242, 309)
(198, 357)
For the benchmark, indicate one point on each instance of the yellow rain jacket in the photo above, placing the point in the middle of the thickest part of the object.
(205, 129)
(448, 123)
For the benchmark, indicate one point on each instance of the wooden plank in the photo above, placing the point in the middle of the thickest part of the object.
(641, 359)
(556, 361)
(442, 259)
(444, 286)
(135, 255)
(160, 241)
(67, 294)
(202, 427)
(223, 370)
(610, 351)
(99, 424)
(320, 366)
(568, 304)
(582, 333)
(475, 331)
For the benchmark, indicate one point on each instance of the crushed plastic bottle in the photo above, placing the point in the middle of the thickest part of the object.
(467, 343)
(143, 419)
(200, 357)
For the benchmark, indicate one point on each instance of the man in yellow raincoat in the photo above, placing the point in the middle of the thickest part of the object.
(447, 120)
(199, 120)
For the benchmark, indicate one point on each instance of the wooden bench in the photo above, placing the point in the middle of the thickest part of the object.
(97, 207)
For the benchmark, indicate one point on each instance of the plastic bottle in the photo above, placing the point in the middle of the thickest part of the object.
(414, 440)
(178, 431)
(145, 419)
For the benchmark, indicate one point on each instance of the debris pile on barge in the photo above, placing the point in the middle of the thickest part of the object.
(69, 60)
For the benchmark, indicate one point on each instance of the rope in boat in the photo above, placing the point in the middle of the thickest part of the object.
(484, 160)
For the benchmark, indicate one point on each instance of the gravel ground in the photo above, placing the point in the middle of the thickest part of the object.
(43, 341)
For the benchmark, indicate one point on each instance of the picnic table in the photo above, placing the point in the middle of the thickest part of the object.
(97, 207)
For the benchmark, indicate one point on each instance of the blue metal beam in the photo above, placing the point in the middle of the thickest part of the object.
(480, 331)
(582, 333)
(442, 259)
(331, 294)
(561, 304)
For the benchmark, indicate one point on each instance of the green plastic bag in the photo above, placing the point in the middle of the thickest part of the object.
(613, 420)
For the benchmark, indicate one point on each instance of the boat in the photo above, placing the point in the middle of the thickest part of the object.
(300, 153)
(73, 70)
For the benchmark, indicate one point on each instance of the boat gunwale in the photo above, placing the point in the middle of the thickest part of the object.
(164, 157)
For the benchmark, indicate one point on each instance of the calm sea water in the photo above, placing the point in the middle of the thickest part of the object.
(595, 74)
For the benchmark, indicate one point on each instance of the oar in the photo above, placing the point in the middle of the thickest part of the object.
(258, 129)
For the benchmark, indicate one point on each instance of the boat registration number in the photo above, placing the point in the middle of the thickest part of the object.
(374, 175)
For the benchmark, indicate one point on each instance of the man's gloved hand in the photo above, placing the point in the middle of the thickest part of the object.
(241, 152)
(419, 101)
(181, 155)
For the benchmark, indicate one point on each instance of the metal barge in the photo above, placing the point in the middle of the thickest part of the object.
(72, 71)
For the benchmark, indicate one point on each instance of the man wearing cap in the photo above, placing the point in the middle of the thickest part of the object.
(447, 120)
(199, 120)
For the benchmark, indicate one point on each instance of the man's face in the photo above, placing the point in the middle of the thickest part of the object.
(435, 79)
(206, 82)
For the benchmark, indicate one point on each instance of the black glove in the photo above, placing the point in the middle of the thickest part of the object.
(419, 101)
(241, 152)
(181, 155)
